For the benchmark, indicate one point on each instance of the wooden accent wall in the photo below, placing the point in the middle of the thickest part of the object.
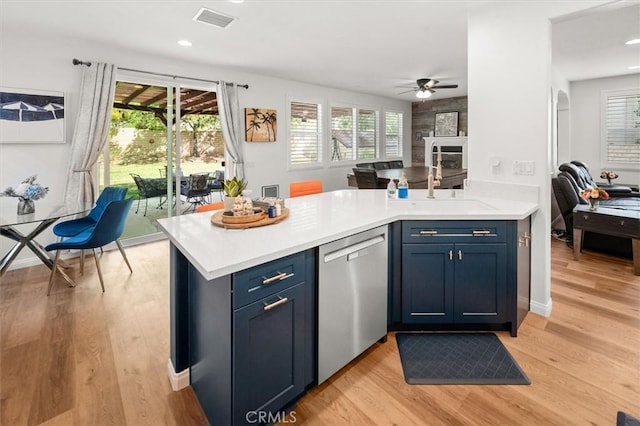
(423, 118)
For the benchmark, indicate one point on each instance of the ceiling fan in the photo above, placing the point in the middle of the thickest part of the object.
(426, 87)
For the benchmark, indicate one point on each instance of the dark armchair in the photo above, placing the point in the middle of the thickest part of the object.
(150, 188)
(579, 171)
(567, 193)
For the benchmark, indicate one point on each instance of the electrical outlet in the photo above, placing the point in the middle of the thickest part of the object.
(523, 167)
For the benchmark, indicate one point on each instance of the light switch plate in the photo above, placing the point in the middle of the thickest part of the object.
(523, 167)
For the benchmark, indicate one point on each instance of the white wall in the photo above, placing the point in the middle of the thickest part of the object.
(586, 122)
(510, 102)
(39, 61)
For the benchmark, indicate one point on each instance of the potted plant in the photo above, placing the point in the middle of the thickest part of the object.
(232, 188)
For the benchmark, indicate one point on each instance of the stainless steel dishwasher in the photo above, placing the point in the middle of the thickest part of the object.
(352, 298)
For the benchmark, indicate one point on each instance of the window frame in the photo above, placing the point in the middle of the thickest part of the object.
(321, 134)
(355, 112)
(383, 148)
(604, 151)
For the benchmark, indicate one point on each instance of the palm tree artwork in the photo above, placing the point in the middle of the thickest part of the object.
(260, 125)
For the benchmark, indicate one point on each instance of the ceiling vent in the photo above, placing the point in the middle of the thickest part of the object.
(211, 17)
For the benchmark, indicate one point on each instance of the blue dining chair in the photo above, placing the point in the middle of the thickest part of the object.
(72, 227)
(108, 229)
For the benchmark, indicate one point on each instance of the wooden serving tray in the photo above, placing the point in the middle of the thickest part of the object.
(216, 219)
(258, 214)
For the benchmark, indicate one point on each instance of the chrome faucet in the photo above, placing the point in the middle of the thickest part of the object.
(432, 181)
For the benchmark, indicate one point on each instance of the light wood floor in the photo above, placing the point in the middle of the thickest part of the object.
(86, 358)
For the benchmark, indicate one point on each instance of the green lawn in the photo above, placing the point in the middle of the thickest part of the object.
(119, 174)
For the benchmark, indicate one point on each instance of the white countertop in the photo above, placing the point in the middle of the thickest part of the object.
(318, 219)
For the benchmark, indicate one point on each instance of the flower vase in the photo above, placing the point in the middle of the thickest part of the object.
(26, 206)
(593, 203)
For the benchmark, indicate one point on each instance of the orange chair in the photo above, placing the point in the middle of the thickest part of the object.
(212, 206)
(298, 189)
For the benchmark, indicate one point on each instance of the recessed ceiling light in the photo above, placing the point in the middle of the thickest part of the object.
(185, 43)
(635, 67)
(634, 41)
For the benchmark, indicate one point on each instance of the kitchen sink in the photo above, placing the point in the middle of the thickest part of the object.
(443, 204)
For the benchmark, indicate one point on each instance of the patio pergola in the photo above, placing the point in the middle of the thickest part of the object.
(143, 97)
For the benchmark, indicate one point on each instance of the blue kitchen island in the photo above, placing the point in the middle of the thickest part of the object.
(244, 303)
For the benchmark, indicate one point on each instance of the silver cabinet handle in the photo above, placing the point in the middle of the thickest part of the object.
(450, 254)
(279, 277)
(280, 301)
(459, 254)
(428, 232)
(477, 232)
(524, 239)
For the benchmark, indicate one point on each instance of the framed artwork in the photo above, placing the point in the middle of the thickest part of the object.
(31, 116)
(447, 124)
(260, 124)
(271, 191)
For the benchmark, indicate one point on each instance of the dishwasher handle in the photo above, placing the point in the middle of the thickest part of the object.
(353, 248)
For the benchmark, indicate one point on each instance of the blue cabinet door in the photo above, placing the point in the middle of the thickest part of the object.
(427, 283)
(269, 355)
(480, 294)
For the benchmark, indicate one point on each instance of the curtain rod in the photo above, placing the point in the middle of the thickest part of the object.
(79, 62)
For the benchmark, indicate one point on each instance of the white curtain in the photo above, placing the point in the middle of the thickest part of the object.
(229, 110)
(91, 131)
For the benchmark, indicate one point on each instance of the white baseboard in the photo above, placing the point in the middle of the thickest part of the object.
(541, 309)
(178, 380)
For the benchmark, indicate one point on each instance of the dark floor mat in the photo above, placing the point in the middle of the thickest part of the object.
(457, 359)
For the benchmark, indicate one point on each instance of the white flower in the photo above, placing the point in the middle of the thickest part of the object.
(21, 189)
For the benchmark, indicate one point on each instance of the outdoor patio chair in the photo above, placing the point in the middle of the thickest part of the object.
(216, 182)
(150, 188)
(196, 189)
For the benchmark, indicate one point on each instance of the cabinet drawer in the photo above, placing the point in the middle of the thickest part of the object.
(266, 279)
(443, 231)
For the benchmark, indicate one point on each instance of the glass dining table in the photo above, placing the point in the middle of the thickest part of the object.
(11, 227)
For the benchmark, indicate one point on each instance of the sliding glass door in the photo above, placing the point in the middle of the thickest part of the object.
(153, 148)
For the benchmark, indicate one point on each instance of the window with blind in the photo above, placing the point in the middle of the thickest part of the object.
(393, 134)
(354, 134)
(305, 133)
(622, 128)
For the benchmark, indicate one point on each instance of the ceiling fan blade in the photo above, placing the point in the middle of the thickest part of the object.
(425, 83)
(412, 90)
(446, 86)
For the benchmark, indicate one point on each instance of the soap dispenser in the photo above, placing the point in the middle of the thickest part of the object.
(403, 187)
(391, 189)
